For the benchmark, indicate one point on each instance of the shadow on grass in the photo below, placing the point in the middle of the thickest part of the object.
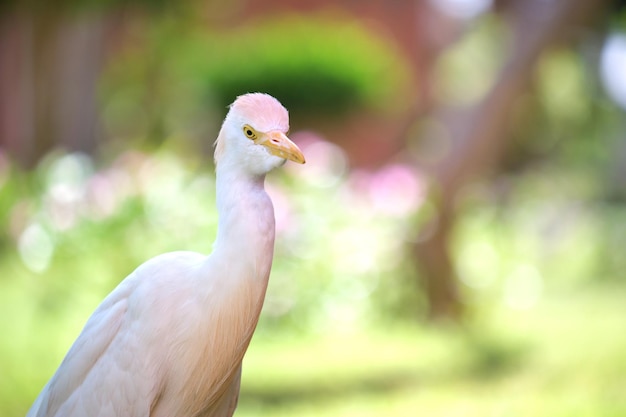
(328, 389)
(479, 360)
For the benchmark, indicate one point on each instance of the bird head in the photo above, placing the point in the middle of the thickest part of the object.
(254, 135)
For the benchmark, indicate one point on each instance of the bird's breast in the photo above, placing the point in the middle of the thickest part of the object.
(215, 327)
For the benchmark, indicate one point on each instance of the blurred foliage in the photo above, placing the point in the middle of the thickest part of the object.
(63, 6)
(537, 248)
(325, 65)
(476, 57)
(317, 66)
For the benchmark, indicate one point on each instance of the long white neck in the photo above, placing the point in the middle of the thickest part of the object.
(244, 247)
(246, 214)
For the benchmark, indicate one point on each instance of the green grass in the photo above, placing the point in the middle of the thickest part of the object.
(567, 357)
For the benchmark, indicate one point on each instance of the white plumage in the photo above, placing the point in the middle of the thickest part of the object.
(169, 340)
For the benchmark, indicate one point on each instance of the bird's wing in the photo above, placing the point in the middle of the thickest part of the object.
(90, 353)
(115, 366)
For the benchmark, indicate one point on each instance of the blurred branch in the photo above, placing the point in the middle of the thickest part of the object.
(480, 133)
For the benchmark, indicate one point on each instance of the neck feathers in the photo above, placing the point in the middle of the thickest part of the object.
(245, 237)
(242, 254)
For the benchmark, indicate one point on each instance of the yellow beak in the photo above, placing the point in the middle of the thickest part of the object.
(278, 144)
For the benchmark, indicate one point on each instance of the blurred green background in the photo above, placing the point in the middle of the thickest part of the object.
(454, 245)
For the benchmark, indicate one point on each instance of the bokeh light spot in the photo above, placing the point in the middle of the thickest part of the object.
(462, 9)
(36, 247)
(613, 68)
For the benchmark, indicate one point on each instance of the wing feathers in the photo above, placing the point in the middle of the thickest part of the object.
(97, 335)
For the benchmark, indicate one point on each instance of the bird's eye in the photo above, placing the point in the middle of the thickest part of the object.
(249, 132)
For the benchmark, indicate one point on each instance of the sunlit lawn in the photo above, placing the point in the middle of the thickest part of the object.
(567, 357)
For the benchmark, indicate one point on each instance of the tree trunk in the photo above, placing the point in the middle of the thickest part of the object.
(49, 67)
(480, 136)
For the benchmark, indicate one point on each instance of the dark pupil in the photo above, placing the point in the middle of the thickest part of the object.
(249, 132)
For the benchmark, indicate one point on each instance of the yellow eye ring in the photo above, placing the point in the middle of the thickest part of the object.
(249, 132)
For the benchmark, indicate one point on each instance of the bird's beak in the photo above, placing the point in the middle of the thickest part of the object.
(278, 144)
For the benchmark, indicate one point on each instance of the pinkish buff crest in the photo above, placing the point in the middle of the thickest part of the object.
(261, 109)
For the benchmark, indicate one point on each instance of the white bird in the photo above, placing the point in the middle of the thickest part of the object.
(169, 340)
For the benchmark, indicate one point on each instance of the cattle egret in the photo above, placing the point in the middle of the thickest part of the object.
(169, 340)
